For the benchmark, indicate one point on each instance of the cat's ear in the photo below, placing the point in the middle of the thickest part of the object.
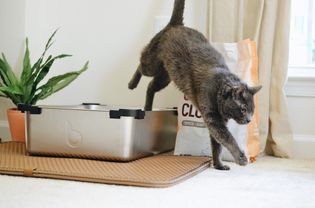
(241, 89)
(238, 91)
(255, 89)
(234, 91)
(228, 91)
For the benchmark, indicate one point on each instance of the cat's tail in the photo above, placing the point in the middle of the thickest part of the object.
(178, 13)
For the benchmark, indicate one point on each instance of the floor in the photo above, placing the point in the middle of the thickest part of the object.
(270, 182)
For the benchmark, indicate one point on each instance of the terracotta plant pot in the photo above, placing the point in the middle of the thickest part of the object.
(16, 124)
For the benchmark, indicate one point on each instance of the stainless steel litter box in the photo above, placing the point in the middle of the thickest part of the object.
(98, 131)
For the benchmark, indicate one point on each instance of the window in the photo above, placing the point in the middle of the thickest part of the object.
(302, 37)
(301, 73)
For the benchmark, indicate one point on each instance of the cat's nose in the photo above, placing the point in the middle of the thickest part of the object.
(248, 120)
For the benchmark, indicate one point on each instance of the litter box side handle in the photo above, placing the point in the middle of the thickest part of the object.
(29, 108)
(116, 114)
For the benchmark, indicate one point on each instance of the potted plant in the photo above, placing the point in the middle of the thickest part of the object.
(28, 89)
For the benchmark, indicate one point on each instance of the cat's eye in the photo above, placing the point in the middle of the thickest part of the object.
(243, 110)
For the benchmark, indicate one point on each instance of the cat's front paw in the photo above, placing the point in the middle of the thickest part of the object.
(242, 159)
(221, 167)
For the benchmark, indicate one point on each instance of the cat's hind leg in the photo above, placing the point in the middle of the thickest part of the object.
(159, 82)
(216, 151)
(133, 83)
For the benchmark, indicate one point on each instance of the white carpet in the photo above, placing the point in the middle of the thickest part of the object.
(270, 182)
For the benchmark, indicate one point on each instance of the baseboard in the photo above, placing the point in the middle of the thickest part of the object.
(4, 130)
(303, 146)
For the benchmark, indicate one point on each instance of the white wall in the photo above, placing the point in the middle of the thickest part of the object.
(300, 91)
(108, 33)
(302, 114)
(12, 34)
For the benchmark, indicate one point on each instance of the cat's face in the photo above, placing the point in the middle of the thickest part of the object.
(239, 103)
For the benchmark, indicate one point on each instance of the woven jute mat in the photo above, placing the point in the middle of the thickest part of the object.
(156, 171)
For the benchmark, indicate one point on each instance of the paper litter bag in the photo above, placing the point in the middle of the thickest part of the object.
(193, 136)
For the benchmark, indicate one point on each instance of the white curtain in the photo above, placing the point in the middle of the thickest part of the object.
(268, 23)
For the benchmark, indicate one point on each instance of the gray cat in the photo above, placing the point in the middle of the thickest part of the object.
(184, 56)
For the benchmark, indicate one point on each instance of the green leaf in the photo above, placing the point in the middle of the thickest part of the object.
(40, 74)
(15, 99)
(26, 89)
(13, 89)
(2, 95)
(43, 71)
(10, 74)
(49, 43)
(37, 74)
(3, 74)
(26, 73)
(37, 67)
(7, 75)
(12, 92)
(58, 82)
